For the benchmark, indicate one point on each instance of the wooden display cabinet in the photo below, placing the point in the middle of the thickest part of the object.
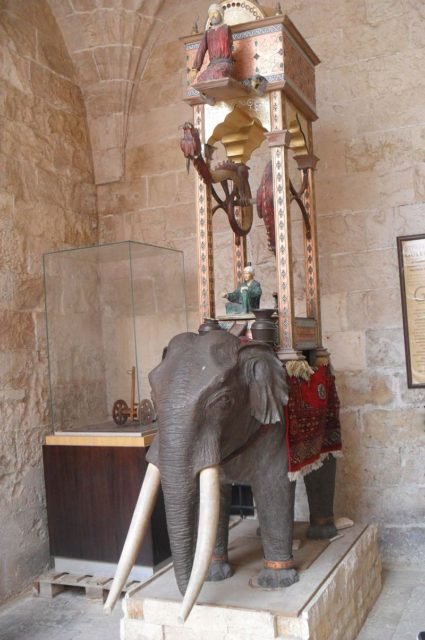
(110, 311)
(92, 485)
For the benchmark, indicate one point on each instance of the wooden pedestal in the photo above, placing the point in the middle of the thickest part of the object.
(91, 493)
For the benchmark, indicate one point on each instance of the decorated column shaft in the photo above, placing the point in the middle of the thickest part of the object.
(307, 163)
(279, 139)
(204, 235)
(239, 258)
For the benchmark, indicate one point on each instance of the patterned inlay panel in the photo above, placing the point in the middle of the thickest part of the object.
(204, 237)
(282, 227)
(239, 258)
(282, 247)
(298, 69)
(310, 256)
(259, 54)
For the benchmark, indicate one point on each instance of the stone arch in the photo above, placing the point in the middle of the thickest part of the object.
(109, 42)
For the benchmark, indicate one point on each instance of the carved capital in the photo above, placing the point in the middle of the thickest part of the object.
(308, 161)
(279, 138)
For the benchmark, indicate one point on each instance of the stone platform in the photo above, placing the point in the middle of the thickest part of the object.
(339, 583)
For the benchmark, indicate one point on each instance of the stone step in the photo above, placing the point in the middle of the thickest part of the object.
(338, 586)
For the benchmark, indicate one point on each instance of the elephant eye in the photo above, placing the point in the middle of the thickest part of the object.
(221, 399)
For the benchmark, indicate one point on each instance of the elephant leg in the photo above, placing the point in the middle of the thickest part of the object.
(320, 487)
(275, 508)
(219, 567)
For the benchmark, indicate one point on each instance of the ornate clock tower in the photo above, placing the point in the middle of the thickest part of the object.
(269, 95)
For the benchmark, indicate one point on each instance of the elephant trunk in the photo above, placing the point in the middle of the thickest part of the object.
(209, 510)
(181, 500)
(192, 542)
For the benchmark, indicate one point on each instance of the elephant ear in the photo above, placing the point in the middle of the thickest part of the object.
(265, 377)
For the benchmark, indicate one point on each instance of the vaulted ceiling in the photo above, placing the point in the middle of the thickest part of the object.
(109, 42)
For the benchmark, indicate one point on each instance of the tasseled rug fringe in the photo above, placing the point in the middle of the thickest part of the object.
(299, 369)
(322, 361)
(294, 475)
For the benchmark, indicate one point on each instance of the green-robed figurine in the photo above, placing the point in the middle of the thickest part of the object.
(246, 296)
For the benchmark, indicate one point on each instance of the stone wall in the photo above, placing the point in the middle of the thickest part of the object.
(154, 202)
(47, 202)
(370, 189)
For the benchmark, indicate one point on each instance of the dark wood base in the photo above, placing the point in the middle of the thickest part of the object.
(91, 493)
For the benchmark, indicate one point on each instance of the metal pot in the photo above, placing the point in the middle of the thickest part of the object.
(264, 328)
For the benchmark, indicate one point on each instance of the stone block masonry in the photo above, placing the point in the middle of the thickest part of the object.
(47, 202)
(336, 610)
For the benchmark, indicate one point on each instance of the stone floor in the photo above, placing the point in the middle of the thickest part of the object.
(398, 614)
(68, 616)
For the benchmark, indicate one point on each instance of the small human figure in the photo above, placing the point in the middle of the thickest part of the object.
(218, 41)
(246, 296)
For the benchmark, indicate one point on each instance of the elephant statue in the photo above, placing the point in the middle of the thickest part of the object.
(220, 420)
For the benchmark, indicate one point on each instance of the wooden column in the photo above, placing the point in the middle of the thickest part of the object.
(204, 235)
(307, 163)
(239, 258)
(279, 139)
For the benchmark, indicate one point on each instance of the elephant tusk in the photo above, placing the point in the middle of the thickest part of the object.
(209, 509)
(139, 523)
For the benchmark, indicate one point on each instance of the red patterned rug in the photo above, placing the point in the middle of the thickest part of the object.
(312, 419)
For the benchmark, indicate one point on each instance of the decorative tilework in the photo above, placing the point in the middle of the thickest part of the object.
(254, 33)
(276, 114)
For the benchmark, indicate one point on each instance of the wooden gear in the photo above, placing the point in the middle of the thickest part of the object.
(142, 412)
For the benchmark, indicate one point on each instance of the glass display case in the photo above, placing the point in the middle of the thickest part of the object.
(110, 311)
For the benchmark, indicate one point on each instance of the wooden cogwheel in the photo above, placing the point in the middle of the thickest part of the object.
(120, 412)
(146, 412)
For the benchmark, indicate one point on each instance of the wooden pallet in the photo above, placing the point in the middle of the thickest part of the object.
(52, 583)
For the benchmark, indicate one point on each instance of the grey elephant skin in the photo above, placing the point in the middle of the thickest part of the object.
(212, 394)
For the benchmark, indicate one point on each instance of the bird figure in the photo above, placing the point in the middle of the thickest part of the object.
(265, 205)
(191, 146)
(259, 84)
(190, 143)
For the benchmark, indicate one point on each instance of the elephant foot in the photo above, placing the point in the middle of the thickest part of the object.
(219, 570)
(321, 531)
(277, 574)
(276, 578)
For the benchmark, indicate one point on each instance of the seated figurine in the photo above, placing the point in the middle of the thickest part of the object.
(217, 40)
(246, 296)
